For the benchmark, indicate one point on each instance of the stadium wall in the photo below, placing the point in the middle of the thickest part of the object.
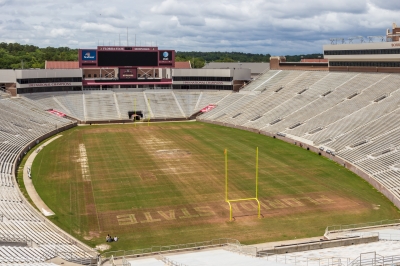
(365, 69)
(386, 192)
(279, 63)
(17, 161)
(321, 245)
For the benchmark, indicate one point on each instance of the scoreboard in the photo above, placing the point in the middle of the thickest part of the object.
(115, 59)
(117, 56)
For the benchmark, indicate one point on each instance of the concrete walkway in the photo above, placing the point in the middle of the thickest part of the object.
(30, 188)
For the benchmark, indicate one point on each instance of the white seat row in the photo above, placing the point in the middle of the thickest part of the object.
(23, 121)
(354, 114)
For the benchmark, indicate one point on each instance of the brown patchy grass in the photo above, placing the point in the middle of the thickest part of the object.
(164, 184)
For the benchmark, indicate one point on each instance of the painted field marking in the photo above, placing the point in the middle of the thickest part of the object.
(83, 159)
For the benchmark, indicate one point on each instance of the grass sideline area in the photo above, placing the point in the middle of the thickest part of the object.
(163, 184)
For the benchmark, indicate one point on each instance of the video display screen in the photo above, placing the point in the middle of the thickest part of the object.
(135, 59)
(165, 55)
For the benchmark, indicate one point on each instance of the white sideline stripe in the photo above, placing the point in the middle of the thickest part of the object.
(29, 184)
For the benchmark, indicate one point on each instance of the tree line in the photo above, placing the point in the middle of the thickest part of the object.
(17, 56)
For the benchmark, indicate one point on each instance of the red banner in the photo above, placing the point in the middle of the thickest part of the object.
(57, 113)
(208, 108)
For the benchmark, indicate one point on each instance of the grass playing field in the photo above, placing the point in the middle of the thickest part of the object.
(164, 184)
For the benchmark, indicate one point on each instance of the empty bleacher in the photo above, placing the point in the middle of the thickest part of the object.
(115, 105)
(355, 115)
(23, 121)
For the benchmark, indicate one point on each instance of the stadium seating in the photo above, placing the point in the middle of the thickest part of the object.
(115, 105)
(351, 114)
(354, 115)
(23, 121)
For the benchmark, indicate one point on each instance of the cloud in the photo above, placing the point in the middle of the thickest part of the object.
(257, 26)
(95, 27)
(4, 2)
(110, 12)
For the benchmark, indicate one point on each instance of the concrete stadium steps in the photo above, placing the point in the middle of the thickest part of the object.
(48, 101)
(261, 80)
(211, 97)
(100, 106)
(74, 102)
(219, 111)
(163, 104)
(187, 100)
(129, 101)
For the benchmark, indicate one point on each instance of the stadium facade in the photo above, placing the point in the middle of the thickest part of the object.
(354, 54)
(117, 67)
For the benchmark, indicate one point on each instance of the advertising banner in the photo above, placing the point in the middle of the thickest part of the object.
(88, 55)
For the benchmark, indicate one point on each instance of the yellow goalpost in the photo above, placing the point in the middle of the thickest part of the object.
(245, 199)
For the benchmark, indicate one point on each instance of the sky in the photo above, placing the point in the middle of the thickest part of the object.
(279, 27)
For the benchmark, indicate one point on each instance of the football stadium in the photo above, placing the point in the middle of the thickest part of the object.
(127, 157)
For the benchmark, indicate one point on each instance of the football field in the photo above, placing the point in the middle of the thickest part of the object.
(164, 184)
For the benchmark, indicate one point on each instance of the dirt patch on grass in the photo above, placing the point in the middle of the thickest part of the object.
(147, 176)
(245, 212)
(103, 247)
(172, 153)
(91, 235)
(188, 138)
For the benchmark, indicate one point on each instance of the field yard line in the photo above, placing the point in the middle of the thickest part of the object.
(30, 188)
(88, 179)
(95, 207)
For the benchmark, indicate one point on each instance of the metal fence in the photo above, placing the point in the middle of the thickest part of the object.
(304, 261)
(350, 227)
(372, 259)
(158, 250)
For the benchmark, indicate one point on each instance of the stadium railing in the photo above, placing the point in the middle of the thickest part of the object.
(309, 261)
(158, 250)
(375, 260)
(352, 227)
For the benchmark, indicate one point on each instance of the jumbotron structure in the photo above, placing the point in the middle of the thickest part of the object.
(348, 114)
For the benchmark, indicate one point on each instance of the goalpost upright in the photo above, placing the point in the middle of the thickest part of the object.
(245, 199)
(148, 121)
(135, 111)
